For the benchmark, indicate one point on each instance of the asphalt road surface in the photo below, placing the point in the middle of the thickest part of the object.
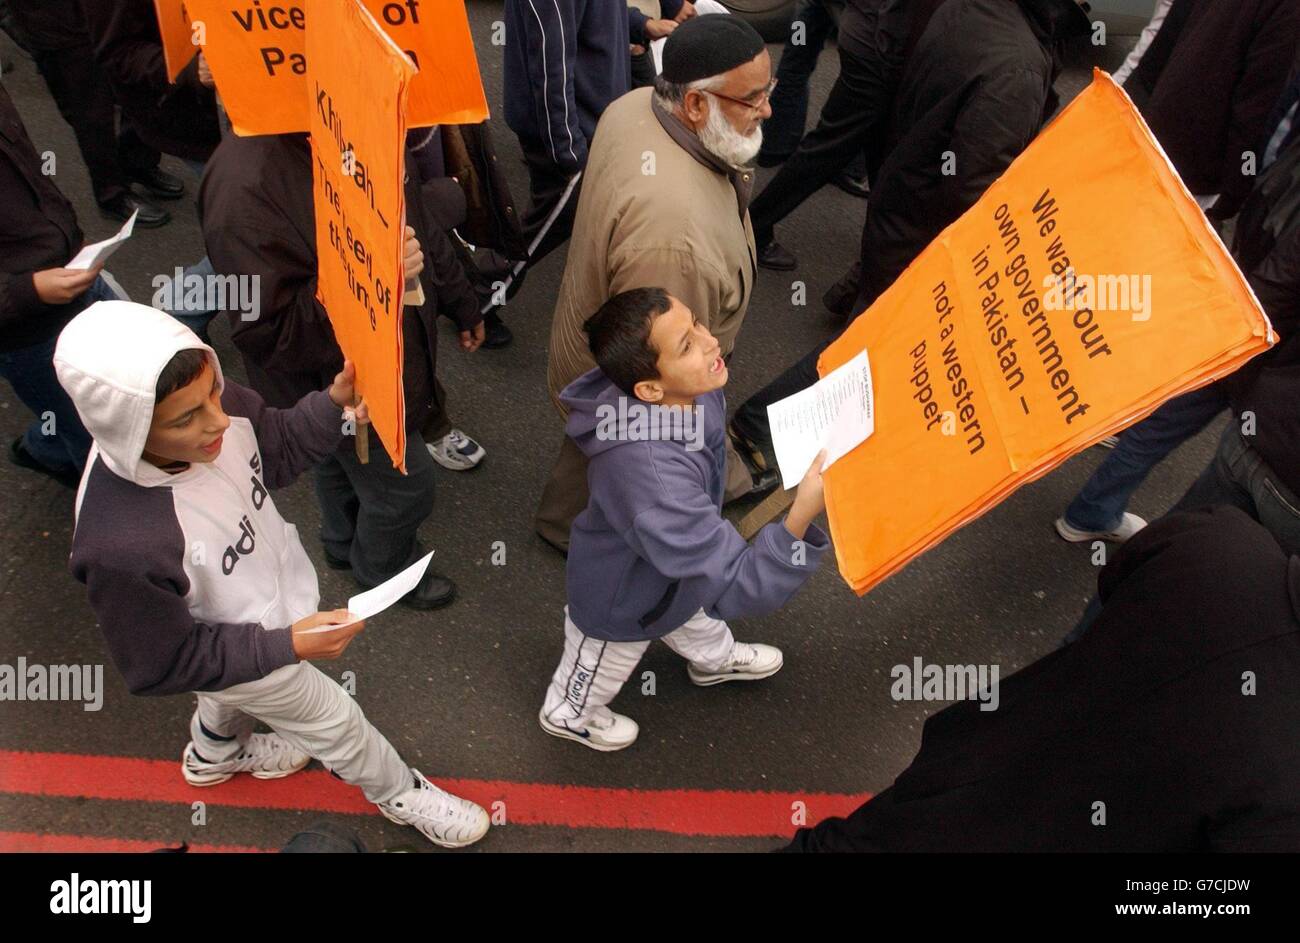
(457, 691)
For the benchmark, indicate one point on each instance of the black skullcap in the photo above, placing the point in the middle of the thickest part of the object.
(705, 46)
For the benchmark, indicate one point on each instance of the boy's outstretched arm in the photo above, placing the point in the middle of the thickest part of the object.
(293, 440)
(685, 537)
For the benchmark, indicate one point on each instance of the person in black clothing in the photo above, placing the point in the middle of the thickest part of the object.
(1257, 466)
(39, 235)
(1170, 726)
(1205, 87)
(177, 118)
(54, 32)
(977, 86)
(872, 44)
(258, 220)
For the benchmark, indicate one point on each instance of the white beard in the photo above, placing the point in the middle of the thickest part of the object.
(726, 143)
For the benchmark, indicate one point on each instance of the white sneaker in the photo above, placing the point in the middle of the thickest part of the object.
(606, 731)
(748, 662)
(1129, 525)
(456, 451)
(266, 756)
(442, 818)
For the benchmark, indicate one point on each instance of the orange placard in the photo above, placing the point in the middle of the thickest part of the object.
(177, 41)
(257, 51)
(358, 136)
(435, 34)
(1084, 289)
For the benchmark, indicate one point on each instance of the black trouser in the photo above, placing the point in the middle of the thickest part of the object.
(751, 417)
(547, 184)
(86, 102)
(855, 111)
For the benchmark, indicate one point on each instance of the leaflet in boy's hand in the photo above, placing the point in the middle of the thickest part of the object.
(837, 413)
(98, 252)
(374, 601)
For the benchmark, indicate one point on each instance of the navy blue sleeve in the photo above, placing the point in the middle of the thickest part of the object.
(550, 37)
(683, 536)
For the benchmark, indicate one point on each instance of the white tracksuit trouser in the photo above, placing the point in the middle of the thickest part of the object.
(592, 671)
(310, 710)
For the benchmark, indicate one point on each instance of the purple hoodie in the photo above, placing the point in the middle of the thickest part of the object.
(652, 548)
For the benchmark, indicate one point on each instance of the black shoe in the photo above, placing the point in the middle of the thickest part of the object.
(765, 482)
(121, 208)
(158, 182)
(757, 457)
(840, 297)
(765, 477)
(18, 454)
(434, 592)
(854, 186)
(334, 563)
(776, 257)
(495, 334)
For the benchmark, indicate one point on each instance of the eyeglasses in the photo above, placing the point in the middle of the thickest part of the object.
(753, 106)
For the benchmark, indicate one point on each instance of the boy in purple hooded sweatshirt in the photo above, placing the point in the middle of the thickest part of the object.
(651, 556)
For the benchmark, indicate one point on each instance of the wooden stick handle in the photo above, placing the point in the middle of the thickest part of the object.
(362, 439)
(765, 512)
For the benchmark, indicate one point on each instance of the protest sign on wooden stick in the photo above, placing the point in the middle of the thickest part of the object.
(358, 134)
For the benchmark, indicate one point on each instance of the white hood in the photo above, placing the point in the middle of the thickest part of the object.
(108, 359)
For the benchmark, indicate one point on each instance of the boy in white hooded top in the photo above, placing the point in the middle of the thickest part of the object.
(199, 584)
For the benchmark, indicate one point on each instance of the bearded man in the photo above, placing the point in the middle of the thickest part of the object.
(665, 202)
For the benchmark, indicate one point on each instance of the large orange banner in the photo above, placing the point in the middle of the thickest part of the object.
(258, 53)
(177, 41)
(358, 136)
(1084, 289)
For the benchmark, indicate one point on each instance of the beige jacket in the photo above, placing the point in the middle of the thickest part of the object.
(652, 214)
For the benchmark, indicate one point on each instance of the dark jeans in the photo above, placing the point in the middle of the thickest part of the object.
(1238, 476)
(370, 514)
(783, 131)
(86, 102)
(1100, 504)
(547, 184)
(855, 111)
(56, 438)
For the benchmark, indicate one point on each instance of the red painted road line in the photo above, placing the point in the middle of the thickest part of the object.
(30, 841)
(680, 811)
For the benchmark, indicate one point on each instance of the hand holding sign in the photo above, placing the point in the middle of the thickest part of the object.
(809, 500)
(365, 252)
